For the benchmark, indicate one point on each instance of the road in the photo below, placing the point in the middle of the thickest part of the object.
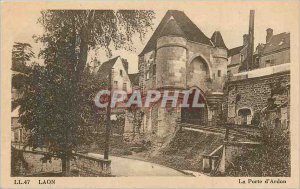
(130, 167)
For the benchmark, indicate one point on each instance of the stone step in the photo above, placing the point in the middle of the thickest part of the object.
(237, 132)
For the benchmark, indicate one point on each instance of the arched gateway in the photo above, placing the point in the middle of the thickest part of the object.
(195, 115)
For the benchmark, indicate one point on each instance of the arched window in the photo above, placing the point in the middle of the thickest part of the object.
(245, 114)
(199, 72)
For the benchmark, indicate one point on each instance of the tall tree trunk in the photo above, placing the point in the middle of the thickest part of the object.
(83, 54)
(65, 165)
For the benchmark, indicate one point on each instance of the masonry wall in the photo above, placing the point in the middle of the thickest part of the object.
(253, 93)
(219, 75)
(146, 64)
(216, 62)
(171, 62)
(233, 69)
(179, 63)
(167, 121)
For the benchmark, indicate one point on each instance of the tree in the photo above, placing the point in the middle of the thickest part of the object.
(58, 103)
(79, 31)
(21, 56)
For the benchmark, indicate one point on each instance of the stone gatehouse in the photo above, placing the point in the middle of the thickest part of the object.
(180, 56)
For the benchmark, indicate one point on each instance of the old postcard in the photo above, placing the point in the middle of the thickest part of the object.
(151, 94)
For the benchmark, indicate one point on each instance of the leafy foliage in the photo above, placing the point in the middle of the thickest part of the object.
(58, 102)
(272, 159)
(21, 54)
(76, 32)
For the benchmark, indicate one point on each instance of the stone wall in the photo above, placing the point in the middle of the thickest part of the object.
(253, 93)
(171, 62)
(179, 63)
(232, 153)
(215, 60)
(84, 165)
(34, 164)
(91, 166)
(134, 128)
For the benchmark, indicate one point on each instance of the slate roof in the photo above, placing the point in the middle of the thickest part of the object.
(134, 79)
(106, 67)
(171, 28)
(189, 29)
(235, 50)
(217, 40)
(277, 42)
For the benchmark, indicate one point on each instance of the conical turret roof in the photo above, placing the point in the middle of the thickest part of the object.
(217, 40)
(189, 29)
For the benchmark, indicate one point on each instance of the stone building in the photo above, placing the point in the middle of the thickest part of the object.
(119, 73)
(180, 56)
(236, 56)
(249, 91)
(275, 51)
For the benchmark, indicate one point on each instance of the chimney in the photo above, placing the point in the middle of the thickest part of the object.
(269, 34)
(251, 40)
(245, 39)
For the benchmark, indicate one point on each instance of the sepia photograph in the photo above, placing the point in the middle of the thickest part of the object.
(201, 92)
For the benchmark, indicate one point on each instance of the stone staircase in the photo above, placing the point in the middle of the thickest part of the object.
(236, 132)
(212, 153)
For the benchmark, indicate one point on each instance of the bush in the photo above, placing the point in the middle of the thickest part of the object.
(272, 159)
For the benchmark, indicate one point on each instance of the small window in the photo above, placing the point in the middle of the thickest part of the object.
(115, 83)
(154, 69)
(147, 75)
(214, 76)
(269, 62)
(219, 73)
(257, 61)
(124, 86)
(121, 73)
(242, 58)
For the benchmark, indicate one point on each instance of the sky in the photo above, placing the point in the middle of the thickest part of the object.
(232, 21)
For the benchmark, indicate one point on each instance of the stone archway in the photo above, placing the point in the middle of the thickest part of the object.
(203, 59)
(195, 115)
(245, 114)
(198, 72)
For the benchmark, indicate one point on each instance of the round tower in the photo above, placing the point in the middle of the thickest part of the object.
(219, 55)
(171, 57)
